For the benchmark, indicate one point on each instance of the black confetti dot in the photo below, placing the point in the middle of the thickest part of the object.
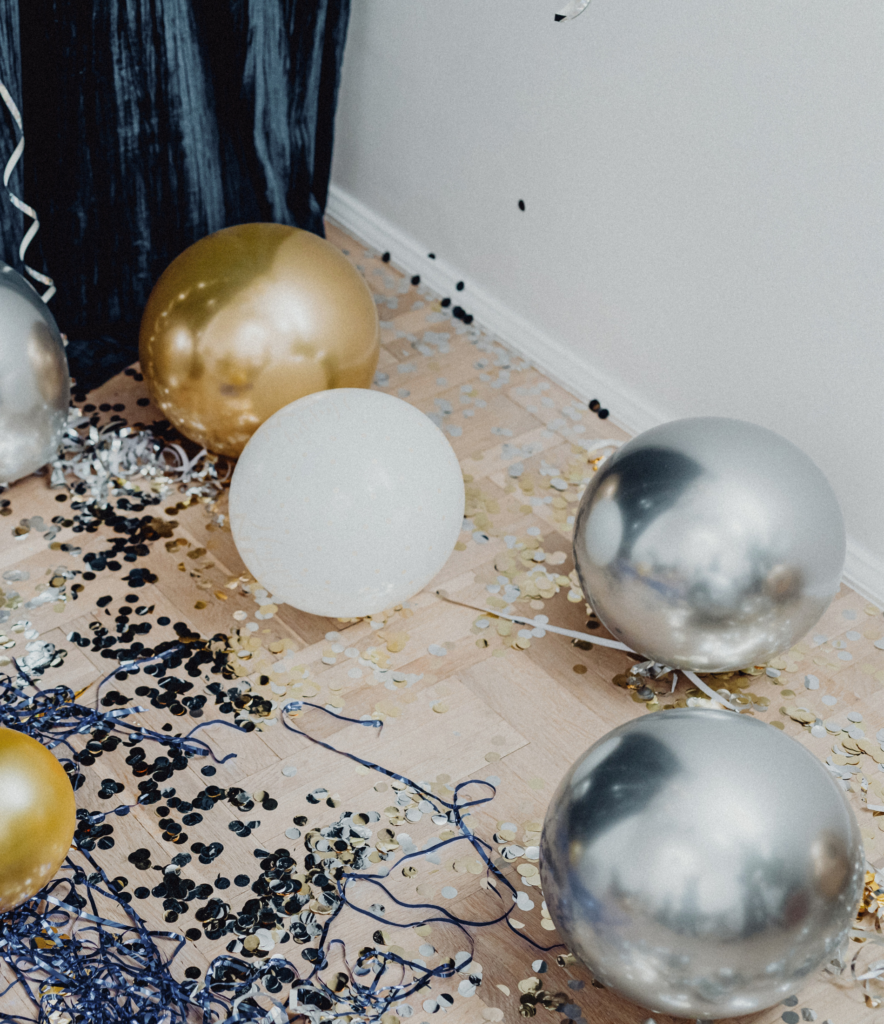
(459, 286)
(522, 204)
(386, 257)
(241, 880)
(142, 893)
(416, 279)
(222, 883)
(595, 405)
(603, 414)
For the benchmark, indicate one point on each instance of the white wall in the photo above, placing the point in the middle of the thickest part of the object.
(704, 190)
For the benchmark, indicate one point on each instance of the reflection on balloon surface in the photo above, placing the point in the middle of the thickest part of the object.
(701, 863)
(37, 817)
(248, 320)
(709, 544)
(34, 380)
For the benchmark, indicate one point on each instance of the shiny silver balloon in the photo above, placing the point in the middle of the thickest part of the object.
(34, 380)
(701, 863)
(709, 544)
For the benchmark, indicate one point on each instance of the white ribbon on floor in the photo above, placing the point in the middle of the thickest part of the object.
(601, 641)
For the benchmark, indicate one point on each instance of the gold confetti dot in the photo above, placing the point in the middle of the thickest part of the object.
(492, 755)
(440, 709)
(580, 670)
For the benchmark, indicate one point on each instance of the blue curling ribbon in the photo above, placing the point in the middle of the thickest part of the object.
(69, 958)
(454, 809)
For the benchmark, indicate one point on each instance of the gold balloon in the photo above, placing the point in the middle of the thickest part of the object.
(248, 320)
(38, 815)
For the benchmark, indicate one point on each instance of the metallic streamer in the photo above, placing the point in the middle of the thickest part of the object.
(18, 203)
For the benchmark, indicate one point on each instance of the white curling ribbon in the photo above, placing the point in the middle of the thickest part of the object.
(600, 641)
(19, 204)
(572, 9)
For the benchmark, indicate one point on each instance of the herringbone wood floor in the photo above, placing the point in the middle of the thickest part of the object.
(468, 701)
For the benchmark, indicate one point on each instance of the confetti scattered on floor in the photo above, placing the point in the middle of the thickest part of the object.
(234, 855)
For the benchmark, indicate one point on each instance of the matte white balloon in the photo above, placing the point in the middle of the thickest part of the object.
(346, 502)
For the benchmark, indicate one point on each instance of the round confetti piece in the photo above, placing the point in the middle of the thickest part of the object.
(448, 892)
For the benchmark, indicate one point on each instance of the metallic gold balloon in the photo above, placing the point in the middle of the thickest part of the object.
(701, 863)
(248, 320)
(37, 817)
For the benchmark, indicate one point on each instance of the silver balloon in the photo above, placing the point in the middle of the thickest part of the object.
(709, 544)
(701, 863)
(34, 380)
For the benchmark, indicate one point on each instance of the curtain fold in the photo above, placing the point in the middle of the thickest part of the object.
(151, 123)
(11, 221)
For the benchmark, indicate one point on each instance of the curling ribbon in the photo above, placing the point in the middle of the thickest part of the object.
(572, 9)
(599, 641)
(20, 204)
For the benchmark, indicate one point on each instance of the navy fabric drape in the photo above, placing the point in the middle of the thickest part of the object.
(151, 123)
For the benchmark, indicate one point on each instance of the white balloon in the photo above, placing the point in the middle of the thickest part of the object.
(346, 502)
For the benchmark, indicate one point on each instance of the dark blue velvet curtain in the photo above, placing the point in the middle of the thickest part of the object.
(151, 123)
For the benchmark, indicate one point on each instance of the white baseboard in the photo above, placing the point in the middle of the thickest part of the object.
(862, 571)
(549, 355)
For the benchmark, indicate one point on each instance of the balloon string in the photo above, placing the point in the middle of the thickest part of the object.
(536, 624)
(601, 641)
(698, 682)
(19, 204)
